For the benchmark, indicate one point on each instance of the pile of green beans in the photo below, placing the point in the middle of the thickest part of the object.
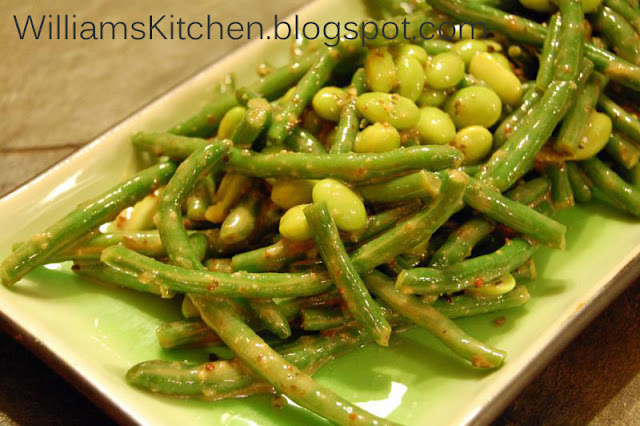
(361, 190)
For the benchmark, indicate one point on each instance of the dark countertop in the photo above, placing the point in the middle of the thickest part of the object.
(58, 95)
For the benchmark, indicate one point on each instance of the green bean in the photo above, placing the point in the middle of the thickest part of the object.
(579, 183)
(219, 265)
(81, 222)
(279, 80)
(241, 220)
(549, 53)
(516, 157)
(228, 378)
(317, 319)
(303, 141)
(232, 187)
(561, 192)
(409, 232)
(510, 124)
(271, 316)
(285, 121)
(209, 284)
(479, 354)
(165, 144)
(188, 309)
(105, 274)
(205, 123)
(273, 258)
(514, 215)
(421, 184)
(529, 193)
(461, 242)
(348, 167)
(343, 274)
(468, 273)
(349, 122)
(382, 221)
(530, 32)
(633, 176)
(169, 217)
(623, 8)
(254, 122)
(612, 185)
(623, 151)
(623, 121)
(285, 378)
(619, 33)
(571, 40)
(466, 306)
(190, 333)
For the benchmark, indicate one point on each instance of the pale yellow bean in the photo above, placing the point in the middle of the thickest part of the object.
(378, 137)
(486, 67)
(411, 77)
(345, 206)
(400, 112)
(475, 105)
(474, 142)
(294, 225)
(467, 49)
(328, 102)
(291, 192)
(538, 5)
(413, 51)
(380, 71)
(432, 97)
(435, 126)
(595, 137)
(229, 122)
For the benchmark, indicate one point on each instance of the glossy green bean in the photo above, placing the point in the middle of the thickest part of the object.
(417, 185)
(623, 151)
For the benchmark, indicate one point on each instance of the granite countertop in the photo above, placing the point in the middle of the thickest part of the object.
(57, 95)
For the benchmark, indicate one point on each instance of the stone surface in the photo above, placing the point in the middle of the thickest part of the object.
(57, 95)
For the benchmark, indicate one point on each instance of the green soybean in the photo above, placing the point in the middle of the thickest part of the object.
(474, 105)
(287, 193)
(378, 137)
(328, 102)
(487, 68)
(402, 113)
(294, 225)
(467, 49)
(345, 206)
(380, 71)
(432, 97)
(474, 142)
(444, 71)
(435, 126)
(411, 77)
(595, 136)
(413, 51)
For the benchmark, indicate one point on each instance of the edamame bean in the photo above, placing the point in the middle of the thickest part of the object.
(475, 105)
(230, 121)
(345, 206)
(467, 49)
(502, 60)
(400, 112)
(378, 137)
(435, 126)
(432, 97)
(328, 102)
(294, 225)
(289, 193)
(474, 142)
(410, 77)
(487, 68)
(445, 70)
(538, 5)
(413, 51)
(499, 287)
(595, 137)
(380, 71)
